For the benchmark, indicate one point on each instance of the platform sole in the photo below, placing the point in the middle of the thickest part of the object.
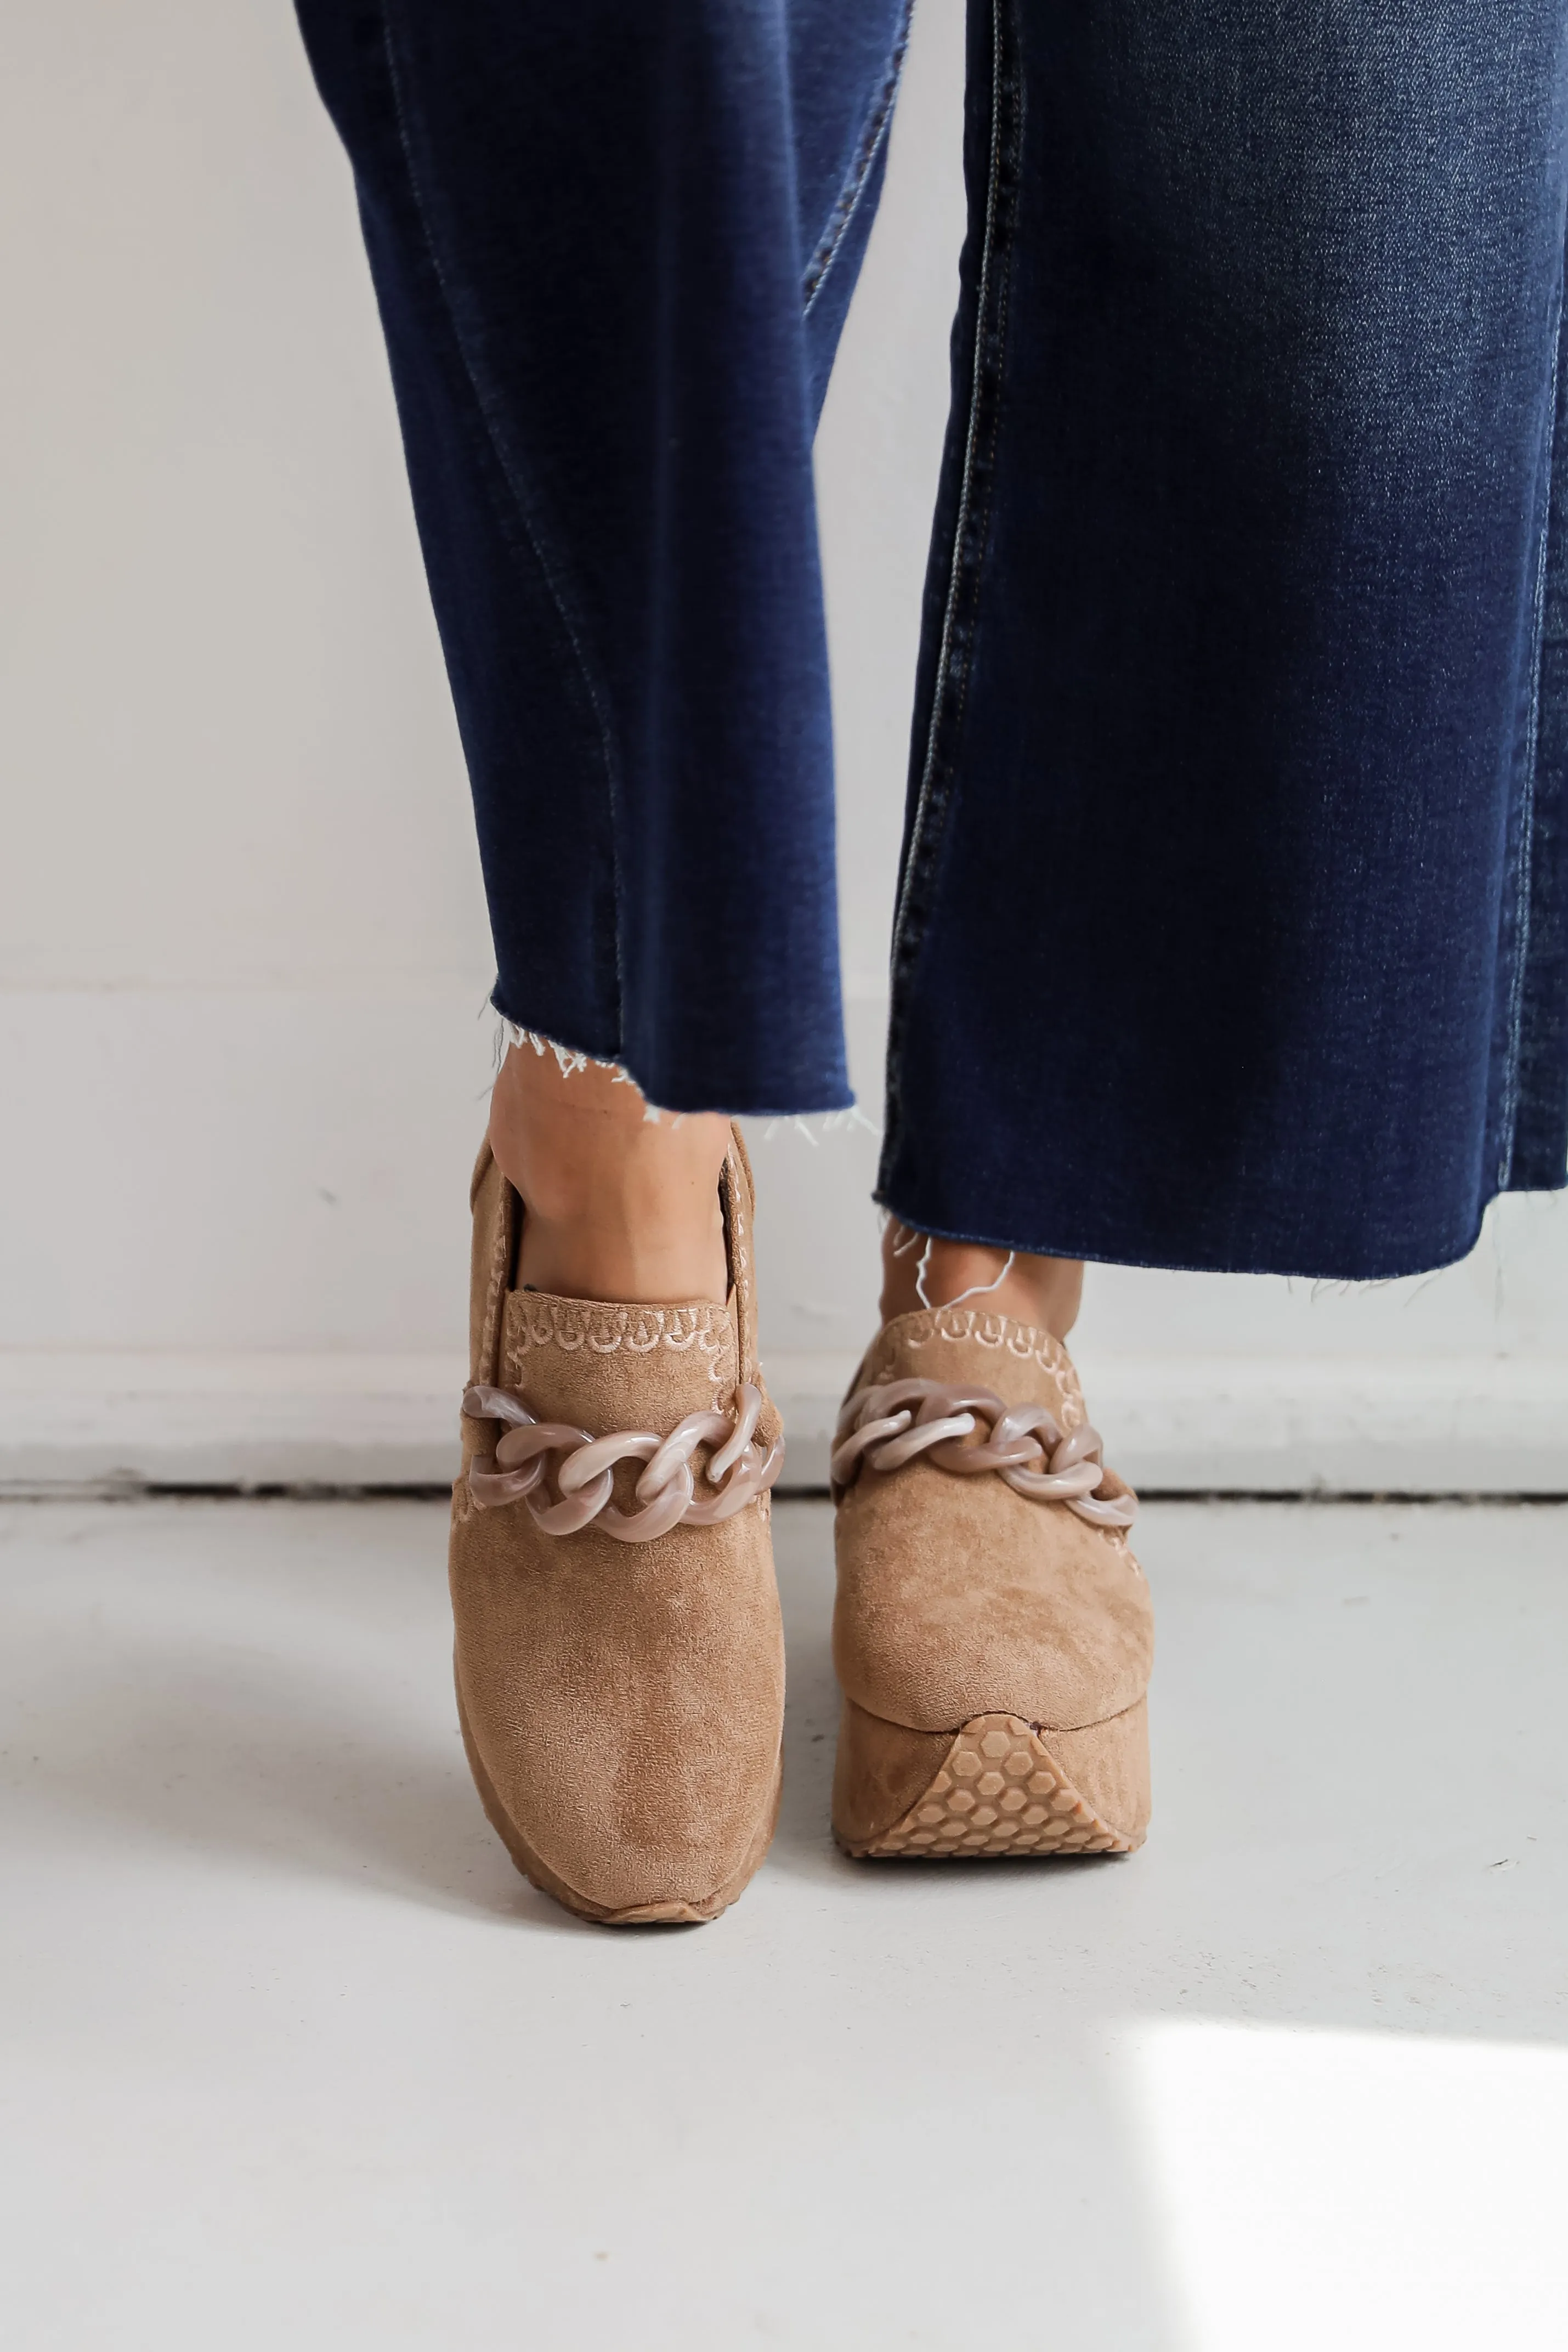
(999, 1788)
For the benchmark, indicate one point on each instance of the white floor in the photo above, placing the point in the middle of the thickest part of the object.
(292, 2055)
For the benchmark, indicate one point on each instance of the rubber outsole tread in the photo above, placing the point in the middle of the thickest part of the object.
(999, 1792)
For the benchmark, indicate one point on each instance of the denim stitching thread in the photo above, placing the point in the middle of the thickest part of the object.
(1511, 1085)
(872, 140)
(946, 715)
(960, 525)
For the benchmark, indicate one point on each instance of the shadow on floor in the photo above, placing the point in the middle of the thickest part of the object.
(1362, 1811)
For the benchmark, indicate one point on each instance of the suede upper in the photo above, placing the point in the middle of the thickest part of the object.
(958, 1597)
(625, 1700)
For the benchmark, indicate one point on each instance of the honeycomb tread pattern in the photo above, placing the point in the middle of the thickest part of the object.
(998, 1793)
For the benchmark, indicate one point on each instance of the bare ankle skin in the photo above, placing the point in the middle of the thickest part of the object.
(620, 1206)
(1044, 1292)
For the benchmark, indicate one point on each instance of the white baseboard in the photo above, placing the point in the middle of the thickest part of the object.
(70, 1420)
(1345, 1425)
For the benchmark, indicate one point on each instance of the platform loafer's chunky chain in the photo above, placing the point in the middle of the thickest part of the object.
(585, 1467)
(883, 1428)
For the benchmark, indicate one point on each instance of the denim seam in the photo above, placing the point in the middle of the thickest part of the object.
(873, 140)
(497, 440)
(933, 798)
(1511, 1083)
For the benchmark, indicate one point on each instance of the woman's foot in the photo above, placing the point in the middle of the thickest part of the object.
(623, 1204)
(919, 1270)
(619, 1656)
(992, 1633)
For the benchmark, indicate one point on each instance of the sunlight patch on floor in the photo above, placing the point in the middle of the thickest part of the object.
(1357, 2191)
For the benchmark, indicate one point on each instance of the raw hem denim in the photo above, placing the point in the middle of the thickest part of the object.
(1233, 914)
(612, 249)
(1232, 925)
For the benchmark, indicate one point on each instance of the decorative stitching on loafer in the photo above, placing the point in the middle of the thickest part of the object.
(536, 1321)
(882, 1427)
(989, 1328)
(585, 1475)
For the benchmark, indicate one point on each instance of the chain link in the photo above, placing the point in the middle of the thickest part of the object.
(584, 1467)
(883, 1428)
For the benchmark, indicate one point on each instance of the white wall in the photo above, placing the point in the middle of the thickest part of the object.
(243, 954)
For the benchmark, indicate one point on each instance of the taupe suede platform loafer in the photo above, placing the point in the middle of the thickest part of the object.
(619, 1659)
(993, 1633)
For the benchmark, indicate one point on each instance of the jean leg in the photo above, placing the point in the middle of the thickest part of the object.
(612, 246)
(1234, 917)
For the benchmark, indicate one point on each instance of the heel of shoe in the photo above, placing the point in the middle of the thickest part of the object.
(994, 1786)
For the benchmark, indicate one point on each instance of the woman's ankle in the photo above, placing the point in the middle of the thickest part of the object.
(619, 1206)
(919, 1270)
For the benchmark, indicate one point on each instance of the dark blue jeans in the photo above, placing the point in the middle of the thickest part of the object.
(1233, 923)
